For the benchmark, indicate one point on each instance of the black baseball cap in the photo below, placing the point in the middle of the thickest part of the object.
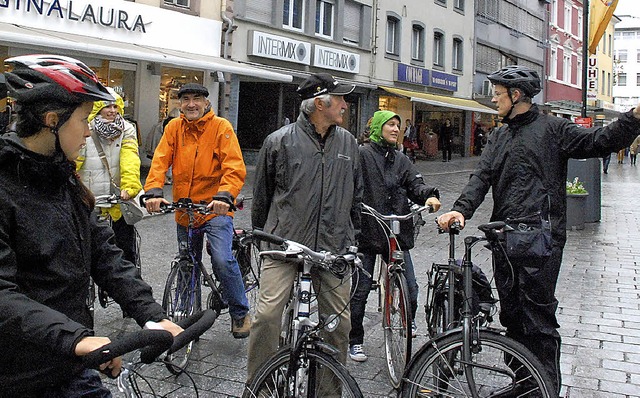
(323, 83)
(193, 88)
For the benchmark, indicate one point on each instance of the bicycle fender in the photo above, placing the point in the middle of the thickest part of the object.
(327, 348)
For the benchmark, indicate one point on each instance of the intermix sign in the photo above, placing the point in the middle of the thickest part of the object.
(279, 47)
(333, 58)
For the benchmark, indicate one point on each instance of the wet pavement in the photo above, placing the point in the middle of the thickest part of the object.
(598, 292)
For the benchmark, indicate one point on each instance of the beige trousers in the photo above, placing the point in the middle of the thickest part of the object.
(276, 280)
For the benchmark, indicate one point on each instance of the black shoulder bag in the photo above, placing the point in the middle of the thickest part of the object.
(529, 236)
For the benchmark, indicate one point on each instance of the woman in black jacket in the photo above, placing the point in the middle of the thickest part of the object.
(390, 180)
(50, 241)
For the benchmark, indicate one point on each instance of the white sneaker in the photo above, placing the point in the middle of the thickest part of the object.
(356, 353)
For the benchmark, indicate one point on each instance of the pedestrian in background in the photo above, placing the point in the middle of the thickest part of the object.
(207, 166)
(51, 244)
(633, 150)
(308, 188)
(110, 164)
(525, 165)
(446, 140)
(390, 180)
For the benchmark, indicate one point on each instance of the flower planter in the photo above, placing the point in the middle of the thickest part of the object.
(576, 207)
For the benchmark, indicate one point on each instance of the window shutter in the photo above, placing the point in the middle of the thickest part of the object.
(352, 13)
(260, 10)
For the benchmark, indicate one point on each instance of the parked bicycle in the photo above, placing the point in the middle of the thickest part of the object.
(445, 292)
(475, 361)
(393, 293)
(145, 347)
(305, 366)
(107, 201)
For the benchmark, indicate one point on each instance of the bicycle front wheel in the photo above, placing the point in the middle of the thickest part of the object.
(499, 367)
(317, 374)
(396, 323)
(248, 255)
(181, 299)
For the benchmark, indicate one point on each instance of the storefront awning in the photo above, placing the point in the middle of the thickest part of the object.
(441, 100)
(14, 34)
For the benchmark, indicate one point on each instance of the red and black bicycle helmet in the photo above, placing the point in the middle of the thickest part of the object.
(37, 78)
(517, 76)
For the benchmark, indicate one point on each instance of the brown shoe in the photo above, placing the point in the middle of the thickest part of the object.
(240, 327)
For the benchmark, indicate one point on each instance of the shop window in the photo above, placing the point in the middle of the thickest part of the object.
(438, 49)
(170, 82)
(417, 43)
(293, 14)
(393, 35)
(324, 18)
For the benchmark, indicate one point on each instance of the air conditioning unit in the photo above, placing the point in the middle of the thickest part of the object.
(486, 88)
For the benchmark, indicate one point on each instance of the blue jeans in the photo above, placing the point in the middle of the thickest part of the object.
(361, 286)
(219, 232)
(86, 385)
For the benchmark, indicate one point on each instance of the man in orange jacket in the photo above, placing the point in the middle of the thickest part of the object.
(207, 166)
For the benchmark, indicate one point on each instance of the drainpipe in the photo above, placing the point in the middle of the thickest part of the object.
(223, 109)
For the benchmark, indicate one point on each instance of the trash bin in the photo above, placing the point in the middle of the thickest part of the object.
(588, 171)
(430, 145)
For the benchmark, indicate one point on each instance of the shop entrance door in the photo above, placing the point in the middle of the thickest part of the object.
(122, 78)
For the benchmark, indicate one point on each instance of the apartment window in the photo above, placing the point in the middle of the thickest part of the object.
(610, 45)
(417, 43)
(456, 62)
(393, 35)
(324, 18)
(622, 55)
(566, 68)
(567, 18)
(352, 16)
(438, 49)
(637, 79)
(602, 87)
(554, 63)
(458, 5)
(609, 84)
(441, 2)
(554, 12)
(178, 3)
(292, 14)
(579, 32)
(622, 79)
(638, 56)
(628, 35)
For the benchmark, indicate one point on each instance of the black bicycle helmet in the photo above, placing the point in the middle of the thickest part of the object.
(37, 78)
(517, 76)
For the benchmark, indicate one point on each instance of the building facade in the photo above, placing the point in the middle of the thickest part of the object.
(626, 90)
(144, 50)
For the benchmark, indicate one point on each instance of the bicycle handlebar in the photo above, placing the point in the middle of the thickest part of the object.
(152, 342)
(155, 341)
(336, 264)
(366, 209)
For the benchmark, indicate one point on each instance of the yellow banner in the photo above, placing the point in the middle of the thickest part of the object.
(600, 12)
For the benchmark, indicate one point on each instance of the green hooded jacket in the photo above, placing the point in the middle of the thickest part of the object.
(378, 120)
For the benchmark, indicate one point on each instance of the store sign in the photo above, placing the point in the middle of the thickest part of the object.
(584, 122)
(120, 21)
(592, 78)
(425, 77)
(89, 13)
(412, 74)
(333, 58)
(444, 81)
(278, 47)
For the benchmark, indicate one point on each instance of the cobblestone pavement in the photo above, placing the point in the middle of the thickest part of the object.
(599, 309)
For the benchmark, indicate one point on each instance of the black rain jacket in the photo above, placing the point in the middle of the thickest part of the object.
(50, 244)
(525, 165)
(306, 190)
(389, 179)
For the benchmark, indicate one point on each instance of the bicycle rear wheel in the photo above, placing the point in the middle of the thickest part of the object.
(317, 374)
(500, 367)
(181, 299)
(396, 323)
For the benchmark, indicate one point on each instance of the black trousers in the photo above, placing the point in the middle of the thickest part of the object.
(528, 306)
(125, 239)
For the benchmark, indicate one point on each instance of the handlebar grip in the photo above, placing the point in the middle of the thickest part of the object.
(155, 341)
(267, 237)
(144, 197)
(194, 326)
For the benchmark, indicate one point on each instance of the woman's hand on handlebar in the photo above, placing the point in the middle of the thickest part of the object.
(153, 204)
(124, 195)
(92, 343)
(171, 327)
(446, 219)
(434, 203)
